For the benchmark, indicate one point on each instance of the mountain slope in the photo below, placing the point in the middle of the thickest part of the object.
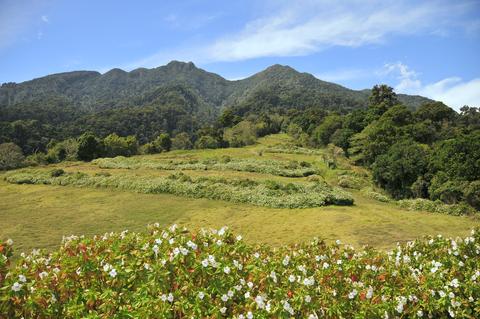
(93, 91)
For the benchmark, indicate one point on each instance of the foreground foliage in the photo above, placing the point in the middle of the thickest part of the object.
(262, 193)
(174, 274)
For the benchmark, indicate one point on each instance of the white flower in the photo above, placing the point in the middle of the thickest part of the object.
(247, 295)
(230, 293)
(352, 294)
(249, 315)
(221, 232)
(369, 292)
(171, 241)
(226, 270)
(442, 293)
(286, 260)
(219, 242)
(250, 284)
(113, 273)
(268, 307)
(239, 237)
(419, 313)
(451, 312)
(192, 245)
(205, 263)
(156, 250)
(201, 295)
(43, 274)
(260, 302)
(291, 278)
(224, 298)
(158, 241)
(454, 283)
(309, 281)
(22, 278)
(325, 265)
(308, 298)
(9, 242)
(170, 297)
(338, 242)
(16, 286)
(223, 309)
(256, 255)
(146, 266)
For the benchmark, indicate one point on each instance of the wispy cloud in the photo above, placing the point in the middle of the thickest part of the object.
(304, 27)
(453, 91)
(296, 28)
(45, 19)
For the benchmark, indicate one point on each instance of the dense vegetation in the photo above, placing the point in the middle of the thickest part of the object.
(175, 99)
(266, 193)
(418, 149)
(273, 167)
(172, 273)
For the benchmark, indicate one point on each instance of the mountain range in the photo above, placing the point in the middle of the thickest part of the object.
(276, 87)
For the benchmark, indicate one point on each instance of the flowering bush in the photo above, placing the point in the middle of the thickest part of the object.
(262, 193)
(172, 273)
(274, 167)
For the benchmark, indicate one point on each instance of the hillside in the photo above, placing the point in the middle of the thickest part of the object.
(117, 88)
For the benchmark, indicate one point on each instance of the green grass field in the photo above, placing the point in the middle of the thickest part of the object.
(37, 216)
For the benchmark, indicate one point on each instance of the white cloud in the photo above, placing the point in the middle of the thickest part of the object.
(304, 27)
(45, 19)
(453, 91)
(409, 82)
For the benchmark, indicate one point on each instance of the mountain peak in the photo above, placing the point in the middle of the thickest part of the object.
(181, 65)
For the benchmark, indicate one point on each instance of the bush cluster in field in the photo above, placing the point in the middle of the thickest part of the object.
(292, 149)
(172, 273)
(265, 193)
(225, 163)
(436, 207)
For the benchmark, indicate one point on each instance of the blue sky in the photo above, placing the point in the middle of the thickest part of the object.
(430, 48)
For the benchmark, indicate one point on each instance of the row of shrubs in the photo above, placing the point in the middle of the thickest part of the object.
(292, 149)
(437, 206)
(422, 204)
(262, 193)
(173, 273)
(225, 163)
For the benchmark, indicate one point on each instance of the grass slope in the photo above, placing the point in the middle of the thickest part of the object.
(39, 215)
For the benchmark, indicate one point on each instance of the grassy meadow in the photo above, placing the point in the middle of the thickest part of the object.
(37, 216)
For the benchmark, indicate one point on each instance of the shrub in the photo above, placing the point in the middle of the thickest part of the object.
(376, 195)
(206, 141)
(234, 190)
(347, 181)
(244, 133)
(421, 204)
(11, 156)
(173, 273)
(57, 172)
(120, 146)
(472, 194)
(274, 167)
